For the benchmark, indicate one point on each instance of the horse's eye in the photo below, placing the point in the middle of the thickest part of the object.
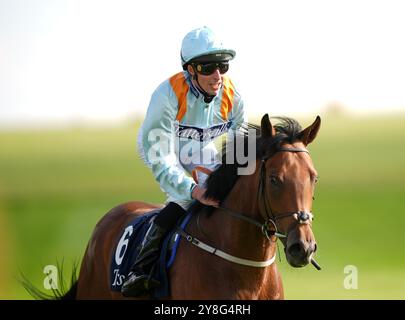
(274, 180)
(314, 179)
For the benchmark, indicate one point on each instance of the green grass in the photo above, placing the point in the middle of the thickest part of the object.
(56, 185)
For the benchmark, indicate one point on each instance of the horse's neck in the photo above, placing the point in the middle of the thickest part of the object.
(243, 236)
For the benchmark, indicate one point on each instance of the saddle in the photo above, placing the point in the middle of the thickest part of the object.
(127, 248)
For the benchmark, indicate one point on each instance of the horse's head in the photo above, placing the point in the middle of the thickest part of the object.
(288, 180)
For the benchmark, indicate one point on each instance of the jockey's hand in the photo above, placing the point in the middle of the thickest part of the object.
(199, 194)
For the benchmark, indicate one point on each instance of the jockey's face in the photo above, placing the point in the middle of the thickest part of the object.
(209, 83)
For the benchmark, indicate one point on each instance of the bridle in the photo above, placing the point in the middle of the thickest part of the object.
(302, 217)
(270, 219)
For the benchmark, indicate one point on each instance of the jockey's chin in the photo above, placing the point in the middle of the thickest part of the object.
(214, 88)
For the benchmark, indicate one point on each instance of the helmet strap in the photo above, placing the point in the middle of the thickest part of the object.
(207, 97)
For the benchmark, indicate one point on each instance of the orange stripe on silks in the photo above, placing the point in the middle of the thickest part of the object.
(180, 88)
(227, 98)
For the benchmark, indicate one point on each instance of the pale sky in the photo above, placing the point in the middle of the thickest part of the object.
(63, 60)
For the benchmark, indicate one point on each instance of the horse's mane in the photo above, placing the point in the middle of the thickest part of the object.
(222, 180)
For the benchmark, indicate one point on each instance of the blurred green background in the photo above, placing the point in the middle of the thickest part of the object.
(55, 185)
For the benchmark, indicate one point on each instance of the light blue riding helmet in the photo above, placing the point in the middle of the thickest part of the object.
(202, 43)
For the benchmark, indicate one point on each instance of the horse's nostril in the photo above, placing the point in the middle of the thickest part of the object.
(315, 247)
(295, 250)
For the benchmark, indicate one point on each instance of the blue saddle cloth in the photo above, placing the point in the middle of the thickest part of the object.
(127, 248)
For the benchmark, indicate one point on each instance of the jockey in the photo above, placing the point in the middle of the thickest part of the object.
(185, 114)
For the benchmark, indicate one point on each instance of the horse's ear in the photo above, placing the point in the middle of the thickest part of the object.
(266, 127)
(309, 134)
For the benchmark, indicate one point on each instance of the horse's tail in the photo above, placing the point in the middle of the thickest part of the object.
(58, 293)
(71, 294)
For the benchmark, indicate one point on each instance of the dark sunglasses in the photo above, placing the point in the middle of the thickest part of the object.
(207, 69)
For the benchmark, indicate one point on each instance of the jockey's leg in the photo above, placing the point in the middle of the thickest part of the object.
(140, 280)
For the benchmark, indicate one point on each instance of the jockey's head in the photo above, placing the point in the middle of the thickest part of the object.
(206, 59)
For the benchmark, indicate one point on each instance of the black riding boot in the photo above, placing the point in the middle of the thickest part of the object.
(140, 280)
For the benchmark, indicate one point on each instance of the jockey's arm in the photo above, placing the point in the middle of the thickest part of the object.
(156, 145)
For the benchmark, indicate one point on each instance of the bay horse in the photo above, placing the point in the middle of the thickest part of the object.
(273, 203)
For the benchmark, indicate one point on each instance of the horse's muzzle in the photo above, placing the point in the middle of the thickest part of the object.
(299, 253)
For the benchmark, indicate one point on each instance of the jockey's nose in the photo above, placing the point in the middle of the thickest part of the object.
(216, 74)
